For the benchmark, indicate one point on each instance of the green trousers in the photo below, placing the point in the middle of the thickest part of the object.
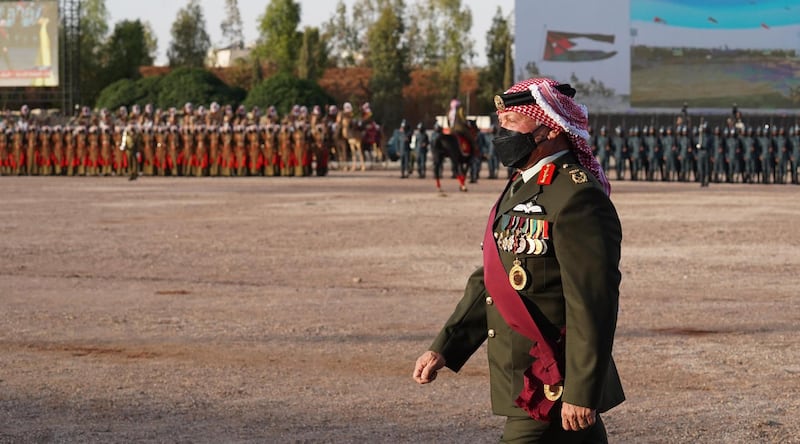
(525, 430)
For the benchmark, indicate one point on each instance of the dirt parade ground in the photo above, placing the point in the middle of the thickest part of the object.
(291, 310)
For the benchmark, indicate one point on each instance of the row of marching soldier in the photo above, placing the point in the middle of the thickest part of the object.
(219, 141)
(733, 153)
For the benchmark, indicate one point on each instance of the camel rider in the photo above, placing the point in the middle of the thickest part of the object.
(458, 126)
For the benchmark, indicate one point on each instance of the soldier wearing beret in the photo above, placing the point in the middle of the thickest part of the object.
(546, 298)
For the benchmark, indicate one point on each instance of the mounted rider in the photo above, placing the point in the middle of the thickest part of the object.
(460, 128)
(371, 138)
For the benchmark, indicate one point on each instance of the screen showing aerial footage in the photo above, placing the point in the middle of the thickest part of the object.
(720, 51)
(28, 43)
(649, 54)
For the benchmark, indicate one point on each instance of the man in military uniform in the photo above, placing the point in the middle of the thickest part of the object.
(750, 155)
(602, 148)
(638, 153)
(669, 148)
(403, 140)
(420, 143)
(5, 154)
(485, 142)
(130, 143)
(794, 141)
(655, 156)
(619, 147)
(547, 296)
(686, 153)
(767, 156)
(705, 143)
(733, 152)
(783, 154)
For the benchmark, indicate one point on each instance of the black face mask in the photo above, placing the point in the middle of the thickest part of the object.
(514, 148)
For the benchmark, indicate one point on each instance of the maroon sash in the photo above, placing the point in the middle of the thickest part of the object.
(544, 369)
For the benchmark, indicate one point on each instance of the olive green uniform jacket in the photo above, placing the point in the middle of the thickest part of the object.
(575, 284)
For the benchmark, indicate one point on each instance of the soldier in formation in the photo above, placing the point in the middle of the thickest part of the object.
(730, 153)
(226, 141)
(195, 141)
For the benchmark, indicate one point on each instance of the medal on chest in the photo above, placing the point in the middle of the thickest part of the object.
(517, 276)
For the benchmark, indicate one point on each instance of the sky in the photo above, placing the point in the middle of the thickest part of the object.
(162, 13)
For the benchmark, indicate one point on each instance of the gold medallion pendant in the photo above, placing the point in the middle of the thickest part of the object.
(553, 392)
(517, 276)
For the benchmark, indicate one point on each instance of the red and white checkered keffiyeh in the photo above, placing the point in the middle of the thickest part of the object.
(556, 110)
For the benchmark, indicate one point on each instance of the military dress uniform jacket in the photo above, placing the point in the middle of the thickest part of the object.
(573, 283)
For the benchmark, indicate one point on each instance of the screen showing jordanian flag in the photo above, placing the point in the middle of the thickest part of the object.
(28, 43)
(662, 53)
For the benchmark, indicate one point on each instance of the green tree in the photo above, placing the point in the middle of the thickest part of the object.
(444, 44)
(231, 26)
(431, 54)
(342, 38)
(195, 85)
(127, 92)
(499, 71)
(284, 90)
(365, 14)
(457, 47)
(123, 92)
(150, 39)
(125, 51)
(94, 28)
(190, 41)
(313, 57)
(389, 63)
(347, 36)
(280, 41)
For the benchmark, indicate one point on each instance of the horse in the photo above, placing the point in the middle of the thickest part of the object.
(460, 152)
(372, 143)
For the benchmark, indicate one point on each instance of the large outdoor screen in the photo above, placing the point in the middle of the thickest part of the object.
(661, 53)
(28, 43)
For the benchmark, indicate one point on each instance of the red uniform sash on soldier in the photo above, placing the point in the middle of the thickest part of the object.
(545, 368)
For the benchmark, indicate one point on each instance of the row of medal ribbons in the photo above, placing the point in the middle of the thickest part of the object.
(522, 235)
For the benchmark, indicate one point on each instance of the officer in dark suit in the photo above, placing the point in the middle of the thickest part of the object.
(546, 298)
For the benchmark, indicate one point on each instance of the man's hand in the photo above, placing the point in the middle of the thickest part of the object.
(426, 367)
(576, 418)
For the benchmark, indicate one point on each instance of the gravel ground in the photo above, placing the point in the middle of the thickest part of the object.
(249, 310)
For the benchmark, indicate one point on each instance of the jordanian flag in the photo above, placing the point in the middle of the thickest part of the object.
(572, 47)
